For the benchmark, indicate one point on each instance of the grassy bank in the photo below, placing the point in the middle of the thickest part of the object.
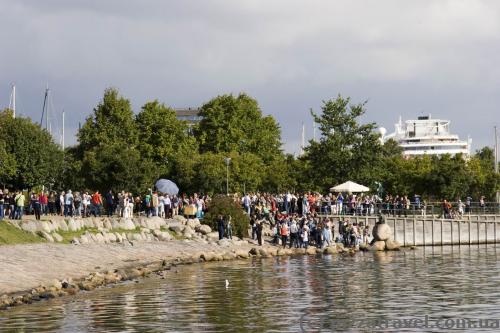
(9, 235)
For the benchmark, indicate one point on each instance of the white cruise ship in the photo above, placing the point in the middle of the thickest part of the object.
(427, 136)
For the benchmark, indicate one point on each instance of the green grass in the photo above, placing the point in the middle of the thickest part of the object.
(9, 234)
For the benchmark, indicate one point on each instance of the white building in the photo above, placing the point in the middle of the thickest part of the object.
(427, 136)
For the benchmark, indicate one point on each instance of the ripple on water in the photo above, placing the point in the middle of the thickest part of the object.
(282, 295)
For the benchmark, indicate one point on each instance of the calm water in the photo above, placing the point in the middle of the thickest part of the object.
(313, 294)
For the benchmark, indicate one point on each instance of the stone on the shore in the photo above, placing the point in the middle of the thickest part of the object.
(242, 254)
(207, 256)
(58, 238)
(127, 224)
(98, 223)
(179, 218)
(378, 246)
(310, 250)
(29, 226)
(62, 224)
(263, 253)
(111, 237)
(193, 223)
(107, 224)
(74, 225)
(204, 229)
(118, 237)
(88, 223)
(46, 235)
(330, 250)
(364, 247)
(392, 245)
(176, 227)
(382, 232)
(84, 239)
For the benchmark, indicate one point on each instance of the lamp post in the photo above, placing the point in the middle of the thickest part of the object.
(227, 160)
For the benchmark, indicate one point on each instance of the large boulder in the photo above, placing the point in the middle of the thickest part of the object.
(204, 229)
(193, 223)
(381, 232)
(127, 224)
(46, 235)
(84, 239)
(378, 246)
(111, 237)
(58, 238)
(74, 225)
(88, 223)
(97, 222)
(176, 227)
(188, 232)
(154, 222)
(118, 237)
(310, 250)
(392, 245)
(330, 250)
(62, 224)
(44, 226)
(180, 219)
(30, 226)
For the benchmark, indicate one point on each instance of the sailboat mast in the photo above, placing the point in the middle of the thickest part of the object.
(45, 110)
(496, 161)
(303, 140)
(63, 129)
(12, 101)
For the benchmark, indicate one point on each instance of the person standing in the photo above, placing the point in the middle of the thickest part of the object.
(68, 204)
(229, 230)
(19, 200)
(61, 203)
(109, 203)
(43, 202)
(155, 202)
(96, 204)
(259, 233)
(220, 226)
(52, 203)
(36, 206)
(284, 233)
(294, 234)
(2, 201)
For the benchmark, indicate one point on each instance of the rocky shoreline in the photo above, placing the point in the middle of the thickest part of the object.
(34, 272)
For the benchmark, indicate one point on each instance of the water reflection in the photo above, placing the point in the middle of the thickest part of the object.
(282, 294)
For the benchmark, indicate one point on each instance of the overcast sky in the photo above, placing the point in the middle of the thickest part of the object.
(407, 58)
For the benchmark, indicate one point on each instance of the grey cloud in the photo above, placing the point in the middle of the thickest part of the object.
(406, 58)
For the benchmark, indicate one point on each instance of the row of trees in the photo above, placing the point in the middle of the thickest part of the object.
(120, 150)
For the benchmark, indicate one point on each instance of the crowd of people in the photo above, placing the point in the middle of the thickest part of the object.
(297, 231)
(265, 204)
(15, 204)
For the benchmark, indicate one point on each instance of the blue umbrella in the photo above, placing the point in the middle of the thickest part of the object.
(167, 186)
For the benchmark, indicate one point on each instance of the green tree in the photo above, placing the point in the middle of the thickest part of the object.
(236, 124)
(31, 156)
(347, 150)
(108, 148)
(162, 136)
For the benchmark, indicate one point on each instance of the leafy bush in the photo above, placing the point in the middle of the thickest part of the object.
(222, 205)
